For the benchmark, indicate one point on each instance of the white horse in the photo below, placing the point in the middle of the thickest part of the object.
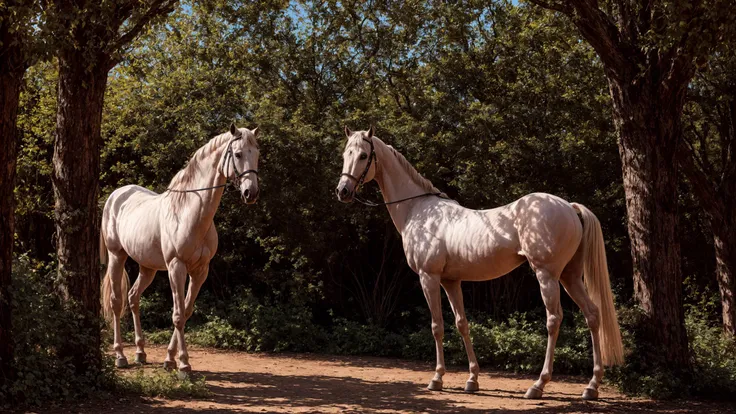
(446, 244)
(172, 231)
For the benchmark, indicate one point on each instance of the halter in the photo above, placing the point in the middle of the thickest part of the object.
(228, 154)
(360, 181)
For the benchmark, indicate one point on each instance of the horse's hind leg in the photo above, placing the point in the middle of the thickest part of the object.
(115, 267)
(145, 277)
(573, 283)
(431, 288)
(550, 287)
(455, 295)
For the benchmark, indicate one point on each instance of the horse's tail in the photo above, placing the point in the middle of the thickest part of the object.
(107, 310)
(599, 287)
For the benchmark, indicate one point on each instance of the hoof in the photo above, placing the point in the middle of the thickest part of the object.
(533, 393)
(121, 362)
(169, 365)
(590, 394)
(184, 374)
(140, 358)
(471, 386)
(435, 385)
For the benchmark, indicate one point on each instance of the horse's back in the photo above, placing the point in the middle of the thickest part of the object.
(485, 244)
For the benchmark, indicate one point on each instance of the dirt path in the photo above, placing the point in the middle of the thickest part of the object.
(260, 383)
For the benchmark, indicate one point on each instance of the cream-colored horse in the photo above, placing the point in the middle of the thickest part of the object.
(446, 243)
(172, 231)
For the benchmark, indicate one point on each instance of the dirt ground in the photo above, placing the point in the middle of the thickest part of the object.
(261, 383)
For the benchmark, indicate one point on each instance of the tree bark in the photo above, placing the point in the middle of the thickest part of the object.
(724, 238)
(648, 121)
(12, 68)
(75, 178)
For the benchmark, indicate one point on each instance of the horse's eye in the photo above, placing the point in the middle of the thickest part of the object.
(363, 156)
(238, 155)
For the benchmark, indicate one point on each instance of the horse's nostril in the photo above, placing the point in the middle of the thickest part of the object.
(246, 193)
(343, 192)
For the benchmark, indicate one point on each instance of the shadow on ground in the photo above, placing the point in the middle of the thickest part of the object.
(318, 392)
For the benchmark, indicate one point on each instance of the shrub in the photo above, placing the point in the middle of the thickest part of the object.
(713, 361)
(41, 325)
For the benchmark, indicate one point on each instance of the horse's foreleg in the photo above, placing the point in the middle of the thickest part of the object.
(177, 280)
(196, 280)
(576, 289)
(550, 288)
(455, 295)
(431, 288)
(145, 277)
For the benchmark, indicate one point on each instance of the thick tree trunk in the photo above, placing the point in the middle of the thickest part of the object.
(649, 127)
(10, 83)
(724, 238)
(75, 178)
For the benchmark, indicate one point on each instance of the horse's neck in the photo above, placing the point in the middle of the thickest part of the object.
(396, 184)
(202, 205)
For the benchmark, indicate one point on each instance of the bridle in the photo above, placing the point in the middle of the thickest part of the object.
(235, 181)
(371, 157)
(360, 180)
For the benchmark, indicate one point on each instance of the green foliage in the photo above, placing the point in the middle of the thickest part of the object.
(41, 325)
(490, 100)
(714, 355)
(162, 383)
(713, 359)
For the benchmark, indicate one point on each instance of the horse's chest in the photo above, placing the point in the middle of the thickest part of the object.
(424, 251)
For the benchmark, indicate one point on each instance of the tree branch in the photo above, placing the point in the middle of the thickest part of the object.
(699, 182)
(563, 8)
(156, 9)
(598, 29)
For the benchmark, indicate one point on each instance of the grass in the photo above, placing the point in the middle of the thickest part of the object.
(158, 382)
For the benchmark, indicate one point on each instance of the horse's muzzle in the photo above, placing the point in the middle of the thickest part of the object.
(250, 196)
(344, 194)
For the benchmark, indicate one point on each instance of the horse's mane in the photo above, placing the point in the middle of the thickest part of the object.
(189, 173)
(414, 174)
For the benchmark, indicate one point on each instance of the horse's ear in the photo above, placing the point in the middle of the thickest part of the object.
(234, 130)
(370, 132)
(348, 132)
(256, 132)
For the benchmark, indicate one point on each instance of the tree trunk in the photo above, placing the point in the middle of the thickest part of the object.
(724, 238)
(648, 121)
(76, 178)
(11, 77)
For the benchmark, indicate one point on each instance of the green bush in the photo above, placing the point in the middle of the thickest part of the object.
(713, 359)
(41, 325)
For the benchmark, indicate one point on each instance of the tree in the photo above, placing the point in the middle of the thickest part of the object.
(708, 160)
(16, 51)
(91, 37)
(648, 50)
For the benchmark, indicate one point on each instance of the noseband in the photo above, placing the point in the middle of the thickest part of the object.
(235, 181)
(371, 158)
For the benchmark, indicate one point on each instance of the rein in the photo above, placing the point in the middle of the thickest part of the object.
(360, 181)
(229, 154)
